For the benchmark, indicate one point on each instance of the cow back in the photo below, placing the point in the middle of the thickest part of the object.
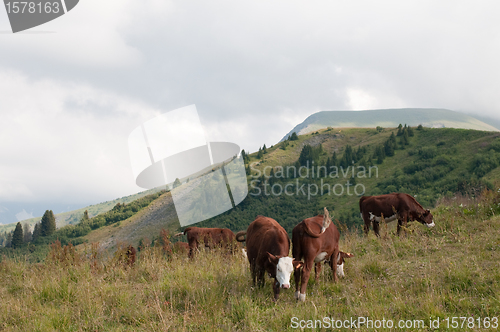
(390, 204)
(306, 246)
(266, 235)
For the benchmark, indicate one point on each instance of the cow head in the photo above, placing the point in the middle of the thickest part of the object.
(427, 219)
(340, 262)
(284, 268)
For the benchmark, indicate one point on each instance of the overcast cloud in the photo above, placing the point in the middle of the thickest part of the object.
(73, 89)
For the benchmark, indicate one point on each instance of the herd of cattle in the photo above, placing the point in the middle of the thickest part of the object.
(314, 241)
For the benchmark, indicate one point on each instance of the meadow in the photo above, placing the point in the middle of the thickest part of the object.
(448, 271)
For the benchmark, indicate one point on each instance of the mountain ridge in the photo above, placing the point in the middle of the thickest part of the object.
(427, 117)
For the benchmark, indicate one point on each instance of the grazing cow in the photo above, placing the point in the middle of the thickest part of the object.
(130, 256)
(181, 247)
(212, 237)
(268, 246)
(315, 240)
(402, 207)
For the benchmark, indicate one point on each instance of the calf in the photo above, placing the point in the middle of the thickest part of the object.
(268, 246)
(315, 240)
(181, 247)
(212, 237)
(130, 256)
(402, 207)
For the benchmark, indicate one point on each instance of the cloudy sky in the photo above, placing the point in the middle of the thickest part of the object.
(72, 90)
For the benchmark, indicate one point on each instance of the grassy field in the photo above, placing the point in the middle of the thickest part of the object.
(449, 271)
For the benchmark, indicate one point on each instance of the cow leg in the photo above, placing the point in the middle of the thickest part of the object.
(260, 278)
(400, 222)
(254, 274)
(367, 221)
(276, 289)
(306, 272)
(296, 276)
(317, 270)
(333, 261)
(376, 228)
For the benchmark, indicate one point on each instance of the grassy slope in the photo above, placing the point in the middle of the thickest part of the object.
(146, 224)
(459, 145)
(448, 271)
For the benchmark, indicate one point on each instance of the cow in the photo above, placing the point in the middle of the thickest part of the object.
(268, 247)
(212, 237)
(315, 240)
(402, 207)
(181, 247)
(130, 256)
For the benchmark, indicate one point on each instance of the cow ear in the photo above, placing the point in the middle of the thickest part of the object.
(273, 259)
(346, 254)
(297, 264)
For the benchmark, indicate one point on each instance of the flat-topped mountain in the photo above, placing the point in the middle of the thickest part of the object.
(390, 118)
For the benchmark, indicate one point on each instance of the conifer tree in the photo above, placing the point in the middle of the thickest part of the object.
(36, 232)
(271, 177)
(294, 137)
(177, 183)
(328, 165)
(259, 154)
(27, 233)
(17, 237)
(334, 159)
(48, 223)
(264, 149)
(8, 242)
(85, 216)
(400, 130)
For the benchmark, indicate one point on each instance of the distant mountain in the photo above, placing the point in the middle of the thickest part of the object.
(390, 118)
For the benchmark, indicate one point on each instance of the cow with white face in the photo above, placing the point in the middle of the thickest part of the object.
(267, 251)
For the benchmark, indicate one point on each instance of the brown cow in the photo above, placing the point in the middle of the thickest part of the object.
(181, 247)
(268, 246)
(130, 255)
(315, 240)
(402, 207)
(212, 237)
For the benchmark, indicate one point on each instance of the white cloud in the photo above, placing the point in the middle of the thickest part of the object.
(65, 140)
(254, 69)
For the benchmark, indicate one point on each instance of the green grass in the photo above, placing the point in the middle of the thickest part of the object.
(448, 271)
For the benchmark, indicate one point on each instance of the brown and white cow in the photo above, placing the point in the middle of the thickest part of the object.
(402, 207)
(212, 237)
(268, 246)
(315, 240)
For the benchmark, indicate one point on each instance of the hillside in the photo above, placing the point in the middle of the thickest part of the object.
(428, 117)
(434, 163)
(416, 282)
(74, 216)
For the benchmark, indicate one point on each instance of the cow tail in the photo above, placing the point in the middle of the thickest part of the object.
(241, 234)
(310, 232)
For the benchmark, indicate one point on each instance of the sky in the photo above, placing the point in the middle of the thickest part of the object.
(73, 89)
